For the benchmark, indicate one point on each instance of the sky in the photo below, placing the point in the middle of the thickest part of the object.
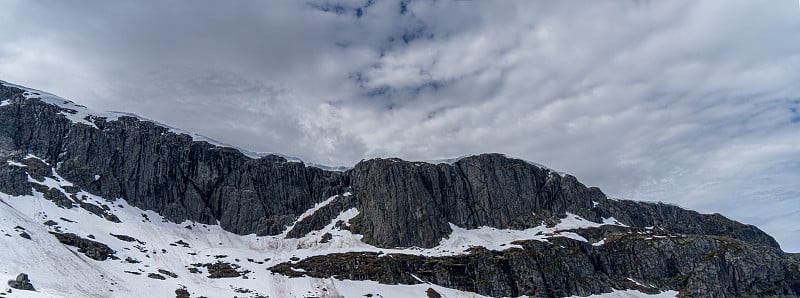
(694, 103)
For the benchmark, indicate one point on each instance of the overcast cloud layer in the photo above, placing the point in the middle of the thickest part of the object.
(691, 102)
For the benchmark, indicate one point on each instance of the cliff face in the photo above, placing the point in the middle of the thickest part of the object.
(156, 169)
(410, 204)
(404, 203)
(400, 204)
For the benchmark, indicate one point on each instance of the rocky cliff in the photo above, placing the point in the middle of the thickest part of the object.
(399, 203)
(156, 169)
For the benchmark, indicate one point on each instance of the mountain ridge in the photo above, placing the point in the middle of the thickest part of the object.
(399, 204)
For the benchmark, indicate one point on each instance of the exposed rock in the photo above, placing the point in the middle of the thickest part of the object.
(167, 273)
(126, 238)
(181, 293)
(432, 293)
(181, 243)
(411, 204)
(156, 169)
(21, 283)
(697, 266)
(58, 197)
(92, 249)
(99, 211)
(132, 260)
(221, 270)
(325, 238)
(679, 220)
(13, 180)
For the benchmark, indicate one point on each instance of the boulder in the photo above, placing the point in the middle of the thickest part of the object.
(21, 283)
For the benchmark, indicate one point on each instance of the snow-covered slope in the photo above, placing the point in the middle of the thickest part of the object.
(157, 257)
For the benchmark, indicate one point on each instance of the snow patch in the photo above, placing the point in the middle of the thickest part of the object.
(462, 239)
(15, 164)
(631, 294)
(311, 211)
(599, 243)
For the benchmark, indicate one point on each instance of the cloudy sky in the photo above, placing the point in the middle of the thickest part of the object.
(695, 103)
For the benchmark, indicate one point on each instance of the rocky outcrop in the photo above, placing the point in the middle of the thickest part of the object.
(679, 220)
(92, 249)
(696, 266)
(21, 283)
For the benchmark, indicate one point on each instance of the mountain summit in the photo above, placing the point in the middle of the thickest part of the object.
(109, 204)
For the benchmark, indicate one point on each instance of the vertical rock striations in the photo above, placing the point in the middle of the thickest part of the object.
(406, 203)
(154, 168)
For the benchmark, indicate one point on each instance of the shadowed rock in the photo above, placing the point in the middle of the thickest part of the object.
(21, 283)
(696, 266)
(92, 249)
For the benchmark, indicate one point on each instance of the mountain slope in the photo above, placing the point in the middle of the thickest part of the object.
(486, 224)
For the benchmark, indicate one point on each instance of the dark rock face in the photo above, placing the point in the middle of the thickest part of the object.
(404, 203)
(697, 266)
(411, 204)
(126, 238)
(181, 293)
(21, 283)
(168, 273)
(92, 249)
(679, 220)
(156, 169)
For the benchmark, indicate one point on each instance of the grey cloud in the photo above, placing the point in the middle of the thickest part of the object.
(688, 102)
